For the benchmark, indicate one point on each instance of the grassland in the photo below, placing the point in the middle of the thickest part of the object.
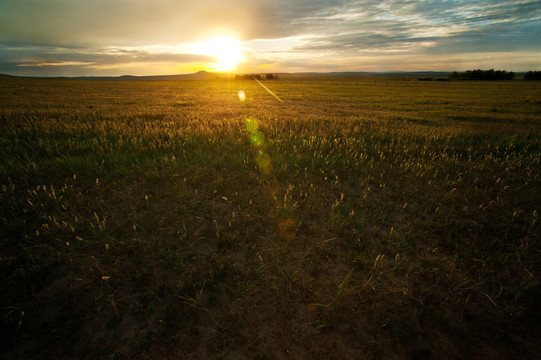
(362, 218)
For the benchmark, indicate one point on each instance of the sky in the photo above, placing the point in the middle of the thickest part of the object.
(159, 37)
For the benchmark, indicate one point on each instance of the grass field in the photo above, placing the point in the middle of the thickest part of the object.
(362, 218)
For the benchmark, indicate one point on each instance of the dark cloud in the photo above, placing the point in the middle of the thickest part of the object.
(421, 26)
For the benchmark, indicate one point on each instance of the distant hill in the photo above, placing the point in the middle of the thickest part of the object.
(200, 75)
(205, 75)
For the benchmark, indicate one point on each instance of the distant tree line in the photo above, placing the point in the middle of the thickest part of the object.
(256, 76)
(532, 75)
(482, 75)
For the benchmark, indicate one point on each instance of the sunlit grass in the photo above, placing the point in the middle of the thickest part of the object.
(382, 217)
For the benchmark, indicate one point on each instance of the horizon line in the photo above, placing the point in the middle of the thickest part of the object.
(203, 72)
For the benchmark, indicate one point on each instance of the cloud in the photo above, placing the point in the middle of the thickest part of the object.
(63, 61)
(401, 29)
(322, 34)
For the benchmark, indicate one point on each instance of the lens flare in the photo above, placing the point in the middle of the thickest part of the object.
(262, 159)
(264, 163)
(256, 140)
(269, 90)
(287, 229)
(242, 95)
(252, 125)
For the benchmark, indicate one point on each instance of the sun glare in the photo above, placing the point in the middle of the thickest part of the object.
(225, 50)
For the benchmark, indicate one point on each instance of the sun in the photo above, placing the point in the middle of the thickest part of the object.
(226, 50)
